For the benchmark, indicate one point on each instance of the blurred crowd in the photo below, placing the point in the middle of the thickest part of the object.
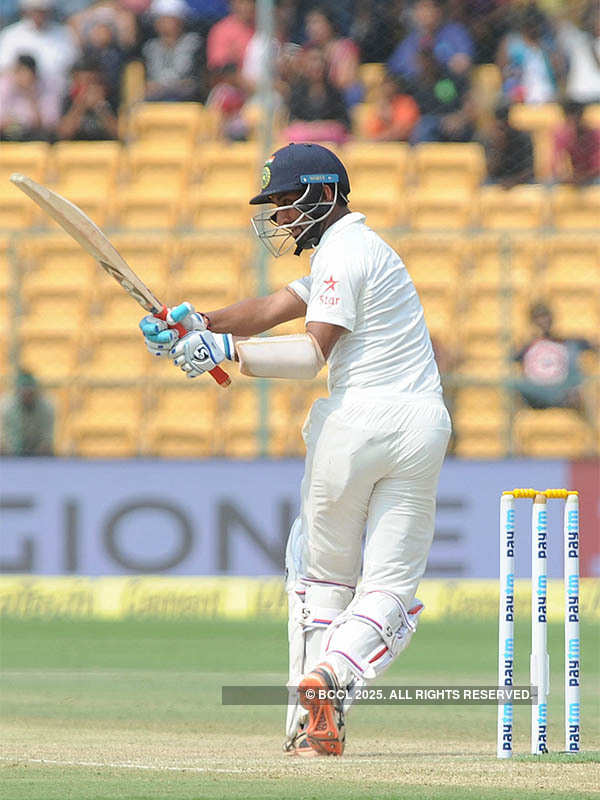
(62, 65)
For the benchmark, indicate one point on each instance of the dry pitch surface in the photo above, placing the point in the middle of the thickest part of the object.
(131, 710)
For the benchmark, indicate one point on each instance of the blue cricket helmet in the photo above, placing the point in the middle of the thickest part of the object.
(292, 167)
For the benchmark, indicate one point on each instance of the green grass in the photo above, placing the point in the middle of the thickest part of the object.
(131, 709)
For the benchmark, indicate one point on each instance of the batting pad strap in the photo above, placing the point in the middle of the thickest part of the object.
(297, 356)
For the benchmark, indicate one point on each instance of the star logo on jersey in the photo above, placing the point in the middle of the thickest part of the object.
(330, 283)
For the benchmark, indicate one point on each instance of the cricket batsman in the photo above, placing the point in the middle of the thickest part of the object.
(374, 447)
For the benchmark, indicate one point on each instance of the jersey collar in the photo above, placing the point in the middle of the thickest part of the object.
(343, 222)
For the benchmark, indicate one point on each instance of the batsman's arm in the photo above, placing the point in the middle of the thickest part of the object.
(257, 314)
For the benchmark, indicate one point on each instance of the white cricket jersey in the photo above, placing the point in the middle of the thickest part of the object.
(359, 282)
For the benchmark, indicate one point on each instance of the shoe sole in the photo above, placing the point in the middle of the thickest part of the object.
(322, 731)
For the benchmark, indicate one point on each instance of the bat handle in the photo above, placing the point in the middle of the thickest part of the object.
(221, 377)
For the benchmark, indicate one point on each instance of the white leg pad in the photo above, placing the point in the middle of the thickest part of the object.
(369, 635)
(313, 606)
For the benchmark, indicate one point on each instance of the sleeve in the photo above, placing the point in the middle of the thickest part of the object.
(301, 287)
(337, 280)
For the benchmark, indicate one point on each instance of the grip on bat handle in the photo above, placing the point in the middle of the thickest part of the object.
(221, 377)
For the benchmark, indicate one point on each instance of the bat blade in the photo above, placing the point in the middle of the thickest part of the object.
(89, 236)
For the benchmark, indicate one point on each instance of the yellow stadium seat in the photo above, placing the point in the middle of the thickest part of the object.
(574, 253)
(360, 114)
(50, 358)
(139, 209)
(591, 115)
(17, 211)
(575, 209)
(87, 165)
(287, 268)
(114, 355)
(519, 208)
(175, 123)
(158, 166)
(60, 397)
(458, 165)
(116, 310)
(376, 169)
(212, 262)
(499, 262)
(440, 313)
(104, 442)
(486, 86)
(439, 209)
(53, 260)
(491, 313)
(241, 416)
(187, 409)
(433, 262)
(381, 211)
(551, 433)
(484, 445)
(29, 158)
(231, 169)
(133, 87)
(371, 75)
(576, 313)
(110, 404)
(572, 262)
(48, 309)
(150, 255)
(540, 120)
(485, 419)
(213, 211)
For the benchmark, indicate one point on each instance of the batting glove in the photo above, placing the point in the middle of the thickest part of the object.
(160, 338)
(201, 351)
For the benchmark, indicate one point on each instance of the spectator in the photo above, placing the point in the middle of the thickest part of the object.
(581, 47)
(486, 21)
(122, 15)
(229, 38)
(173, 61)
(341, 54)
(87, 113)
(395, 113)
(509, 152)
(370, 30)
(29, 107)
(207, 13)
(53, 46)
(444, 103)
(101, 44)
(26, 420)
(527, 61)
(551, 374)
(228, 97)
(576, 148)
(317, 109)
(450, 42)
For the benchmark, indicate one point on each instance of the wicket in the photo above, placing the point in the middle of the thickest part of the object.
(539, 663)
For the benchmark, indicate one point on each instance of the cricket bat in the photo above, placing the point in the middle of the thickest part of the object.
(89, 236)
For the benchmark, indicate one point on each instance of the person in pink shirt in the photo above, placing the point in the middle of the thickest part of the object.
(229, 38)
(29, 105)
(342, 54)
(576, 148)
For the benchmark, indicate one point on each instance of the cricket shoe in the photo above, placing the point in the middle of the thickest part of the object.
(298, 745)
(320, 693)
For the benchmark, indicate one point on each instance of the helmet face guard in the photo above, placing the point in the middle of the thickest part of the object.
(314, 210)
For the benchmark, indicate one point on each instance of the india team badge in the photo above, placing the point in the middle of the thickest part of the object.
(266, 173)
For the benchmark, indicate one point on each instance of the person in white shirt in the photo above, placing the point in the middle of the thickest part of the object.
(374, 447)
(52, 45)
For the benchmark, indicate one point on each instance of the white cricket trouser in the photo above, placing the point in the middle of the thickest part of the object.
(372, 464)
